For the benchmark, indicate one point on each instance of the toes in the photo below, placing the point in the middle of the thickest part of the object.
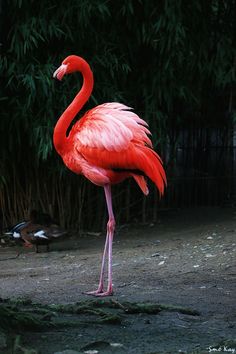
(105, 293)
(98, 293)
(95, 292)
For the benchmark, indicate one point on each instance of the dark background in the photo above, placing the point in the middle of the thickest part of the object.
(172, 61)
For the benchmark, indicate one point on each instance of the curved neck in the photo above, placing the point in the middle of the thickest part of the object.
(60, 139)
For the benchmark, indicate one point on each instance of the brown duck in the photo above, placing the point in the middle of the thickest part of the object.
(39, 230)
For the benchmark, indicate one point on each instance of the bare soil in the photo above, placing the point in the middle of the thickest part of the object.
(187, 259)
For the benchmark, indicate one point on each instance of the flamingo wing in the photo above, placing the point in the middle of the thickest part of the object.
(110, 126)
(113, 138)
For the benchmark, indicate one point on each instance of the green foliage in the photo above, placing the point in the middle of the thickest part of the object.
(167, 59)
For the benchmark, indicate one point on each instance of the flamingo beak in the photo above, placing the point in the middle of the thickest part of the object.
(60, 72)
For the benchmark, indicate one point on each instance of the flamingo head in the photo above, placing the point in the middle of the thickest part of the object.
(69, 65)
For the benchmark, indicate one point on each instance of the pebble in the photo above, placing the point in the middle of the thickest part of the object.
(161, 263)
(116, 345)
(155, 255)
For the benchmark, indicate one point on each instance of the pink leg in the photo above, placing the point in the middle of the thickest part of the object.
(101, 280)
(108, 247)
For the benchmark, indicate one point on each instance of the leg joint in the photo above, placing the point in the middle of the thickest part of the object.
(111, 225)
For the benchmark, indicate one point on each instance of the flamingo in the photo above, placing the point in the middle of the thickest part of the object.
(107, 145)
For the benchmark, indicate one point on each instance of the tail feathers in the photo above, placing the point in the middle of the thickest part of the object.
(151, 164)
(142, 183)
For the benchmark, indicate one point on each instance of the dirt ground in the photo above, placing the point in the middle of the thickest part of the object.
(187, 259)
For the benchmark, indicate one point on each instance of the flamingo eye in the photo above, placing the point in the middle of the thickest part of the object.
(68, 66)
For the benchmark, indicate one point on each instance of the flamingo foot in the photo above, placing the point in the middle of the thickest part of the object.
(98, 293)
(105, 293)
(95, 292)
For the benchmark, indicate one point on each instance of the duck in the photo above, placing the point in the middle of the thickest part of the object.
(35, 234)
(40, 229)
(15, 231)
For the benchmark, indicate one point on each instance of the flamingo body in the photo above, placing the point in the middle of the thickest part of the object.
(107, 145)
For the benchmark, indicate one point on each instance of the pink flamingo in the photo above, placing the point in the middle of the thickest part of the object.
(107, 145)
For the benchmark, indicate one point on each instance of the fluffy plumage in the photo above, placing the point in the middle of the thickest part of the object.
(107, 145)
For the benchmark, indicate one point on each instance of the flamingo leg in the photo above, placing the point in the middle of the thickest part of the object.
(107, 249)
(101, 280)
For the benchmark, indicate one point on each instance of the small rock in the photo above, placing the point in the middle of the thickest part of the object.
(161, 263)
(157, 241)
(155, 255)
(116, 345)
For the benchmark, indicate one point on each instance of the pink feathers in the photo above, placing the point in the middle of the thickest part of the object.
(107, 145)
(110, 126)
